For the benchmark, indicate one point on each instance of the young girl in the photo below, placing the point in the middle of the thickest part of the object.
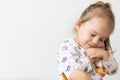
(89, 56)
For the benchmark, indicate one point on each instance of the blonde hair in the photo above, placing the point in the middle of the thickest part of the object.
(99, 9)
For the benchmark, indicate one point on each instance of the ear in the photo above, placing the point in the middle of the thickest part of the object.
(78, 24)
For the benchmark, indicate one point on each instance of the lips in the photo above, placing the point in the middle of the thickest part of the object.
(91, 46)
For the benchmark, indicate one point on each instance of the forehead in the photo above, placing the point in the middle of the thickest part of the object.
(101, 25)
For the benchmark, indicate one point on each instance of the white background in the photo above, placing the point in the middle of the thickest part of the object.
(31, 32)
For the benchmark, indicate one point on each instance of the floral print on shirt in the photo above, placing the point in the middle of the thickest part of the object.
(71, 57)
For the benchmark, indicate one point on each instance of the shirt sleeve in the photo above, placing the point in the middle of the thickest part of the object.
(70, 59)
(111, 65)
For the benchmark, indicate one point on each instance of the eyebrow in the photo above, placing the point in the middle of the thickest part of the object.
(94, 31)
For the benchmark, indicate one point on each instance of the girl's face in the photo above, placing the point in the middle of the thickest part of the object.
(93, 33)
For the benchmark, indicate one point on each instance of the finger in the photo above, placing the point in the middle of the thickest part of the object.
(93, 56)
(89, 53)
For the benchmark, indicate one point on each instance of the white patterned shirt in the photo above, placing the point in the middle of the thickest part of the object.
(70, 57)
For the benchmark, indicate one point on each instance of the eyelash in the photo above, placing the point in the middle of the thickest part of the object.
(102, 40)
(93, 35)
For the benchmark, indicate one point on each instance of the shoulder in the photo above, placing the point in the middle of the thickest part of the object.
(68, 42)
(69, 45)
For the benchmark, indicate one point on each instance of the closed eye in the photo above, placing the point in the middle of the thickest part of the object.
(93, 35)
(102, 40)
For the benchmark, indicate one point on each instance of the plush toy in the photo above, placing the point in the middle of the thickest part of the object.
(99, 68)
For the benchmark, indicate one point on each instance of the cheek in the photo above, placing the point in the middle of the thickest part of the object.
(85, 38)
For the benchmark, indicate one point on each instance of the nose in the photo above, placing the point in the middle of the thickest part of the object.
(95, 42)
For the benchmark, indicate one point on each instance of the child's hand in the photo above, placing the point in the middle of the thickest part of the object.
(97, 53)
(93, 60)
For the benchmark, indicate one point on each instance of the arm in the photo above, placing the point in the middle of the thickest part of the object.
(108, 60)
(70, 59)
(111, 65)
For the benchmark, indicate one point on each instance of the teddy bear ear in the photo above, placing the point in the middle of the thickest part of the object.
(64, 76)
